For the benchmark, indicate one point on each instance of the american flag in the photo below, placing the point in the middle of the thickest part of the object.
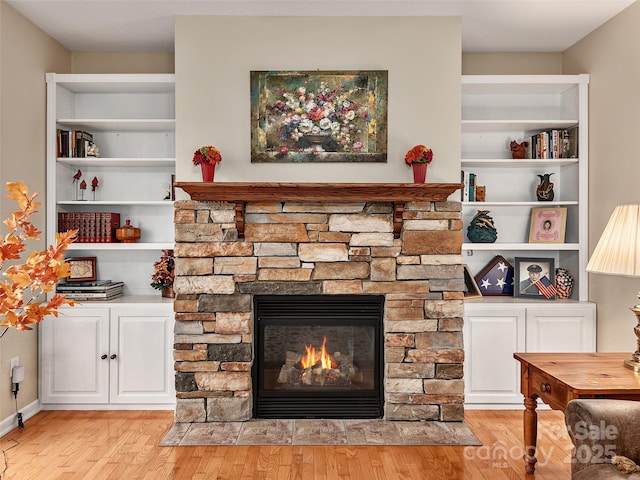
(545, 287)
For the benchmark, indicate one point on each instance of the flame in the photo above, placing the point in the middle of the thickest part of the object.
(313, 357)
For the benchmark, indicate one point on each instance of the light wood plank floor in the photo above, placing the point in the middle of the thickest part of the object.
(123, 445)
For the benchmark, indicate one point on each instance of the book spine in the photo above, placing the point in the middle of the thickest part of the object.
(64, 143)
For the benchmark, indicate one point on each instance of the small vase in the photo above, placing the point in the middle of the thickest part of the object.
(419, 172)
(564, 283)
(207, 172)
(167, 292)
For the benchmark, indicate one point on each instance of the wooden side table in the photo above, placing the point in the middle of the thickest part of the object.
(556, 378)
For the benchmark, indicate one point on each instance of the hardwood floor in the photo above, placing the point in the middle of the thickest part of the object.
(123, 445)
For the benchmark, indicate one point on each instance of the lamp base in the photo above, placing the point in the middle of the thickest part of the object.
(632, 364)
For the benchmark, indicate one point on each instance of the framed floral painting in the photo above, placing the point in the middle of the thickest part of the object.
(318, 116)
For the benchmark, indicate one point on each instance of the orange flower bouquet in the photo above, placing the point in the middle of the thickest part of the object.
(419, 154)
(418, 158)
(40, 272)
(207, 157)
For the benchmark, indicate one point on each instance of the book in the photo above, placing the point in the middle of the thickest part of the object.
(472, 187)
(85, 284)
(92, 296)
(105, 288)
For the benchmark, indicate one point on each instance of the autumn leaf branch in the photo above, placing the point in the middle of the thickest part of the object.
(39, 273)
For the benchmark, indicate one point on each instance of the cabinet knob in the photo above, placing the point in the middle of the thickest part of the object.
(113, 357)
(545, 388)
(103, 356)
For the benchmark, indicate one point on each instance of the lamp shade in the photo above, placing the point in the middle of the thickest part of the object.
(618, 250)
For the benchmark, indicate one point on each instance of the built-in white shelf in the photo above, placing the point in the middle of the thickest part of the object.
(117, 162)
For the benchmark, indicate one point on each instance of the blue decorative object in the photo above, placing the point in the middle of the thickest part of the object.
(496, 278)
(481, 228)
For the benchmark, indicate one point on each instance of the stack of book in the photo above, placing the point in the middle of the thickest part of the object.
(93, 227)
(99, 290)
(73, 143)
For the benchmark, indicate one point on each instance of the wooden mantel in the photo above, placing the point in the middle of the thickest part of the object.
(242, 192)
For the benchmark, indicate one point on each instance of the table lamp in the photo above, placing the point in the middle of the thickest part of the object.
(618, 253)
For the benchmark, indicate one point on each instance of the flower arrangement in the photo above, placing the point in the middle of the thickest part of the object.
(163, 271)
(419, 154)
(39, 273)
(330, 118)
(208, 154)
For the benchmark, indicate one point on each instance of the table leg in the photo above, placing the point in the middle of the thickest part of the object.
(530, 418)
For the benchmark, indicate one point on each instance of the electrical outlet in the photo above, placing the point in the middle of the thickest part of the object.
(15, 361)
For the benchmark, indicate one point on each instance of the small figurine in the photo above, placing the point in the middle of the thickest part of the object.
(544, 191)
(481, 193)
(92, 150)
(94, 185)
(83, 187)
(518, 150)
(77, 176)
(481, 228)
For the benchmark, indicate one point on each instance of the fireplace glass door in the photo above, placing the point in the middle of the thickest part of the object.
(318, 356)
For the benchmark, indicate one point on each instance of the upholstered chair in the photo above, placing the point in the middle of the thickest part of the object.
(605, 433)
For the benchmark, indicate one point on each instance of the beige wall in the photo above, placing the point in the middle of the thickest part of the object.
(26, 53)
(122, 62)
(512, 64)
(611, 55)
(215, 54)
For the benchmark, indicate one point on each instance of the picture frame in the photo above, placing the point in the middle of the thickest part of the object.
(83, 269)
(548, 225)
(471, 287)
(319, 116)
(496, 278)
(535, 278)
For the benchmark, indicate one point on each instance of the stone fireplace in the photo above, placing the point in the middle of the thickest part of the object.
(400, 242)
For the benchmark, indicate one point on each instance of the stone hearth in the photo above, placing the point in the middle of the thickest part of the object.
(294, 247)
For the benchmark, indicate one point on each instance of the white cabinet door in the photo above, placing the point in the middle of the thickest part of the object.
(142, 340)
(74, 364)
(492, 333)
(566, 329)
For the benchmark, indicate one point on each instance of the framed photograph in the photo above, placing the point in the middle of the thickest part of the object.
(534, 278)
(318, 116)
(83, 269)
(471, 287)
(548, 225)
(496, 278)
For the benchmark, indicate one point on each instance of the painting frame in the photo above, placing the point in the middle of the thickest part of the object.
(523, 284)
(548, 225)
(497, 269)
(83, 269)
(319, 116)
(471, 287)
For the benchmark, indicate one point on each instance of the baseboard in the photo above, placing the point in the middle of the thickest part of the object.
(11, 421)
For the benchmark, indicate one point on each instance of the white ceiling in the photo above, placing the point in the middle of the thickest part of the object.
(487, 25)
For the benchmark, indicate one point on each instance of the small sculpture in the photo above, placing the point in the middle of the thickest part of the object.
(83, 187)
(518, 150)
(92, 150)
(481, 228)
(544, 191)
(481, 193)
(94, 185)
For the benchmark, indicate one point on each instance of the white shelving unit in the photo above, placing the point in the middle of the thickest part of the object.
(114, 354)
(132, 119)
(495, 110)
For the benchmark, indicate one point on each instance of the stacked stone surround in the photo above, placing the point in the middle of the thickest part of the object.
(296, 248)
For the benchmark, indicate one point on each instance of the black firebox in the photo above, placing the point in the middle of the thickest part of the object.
(318, 356)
